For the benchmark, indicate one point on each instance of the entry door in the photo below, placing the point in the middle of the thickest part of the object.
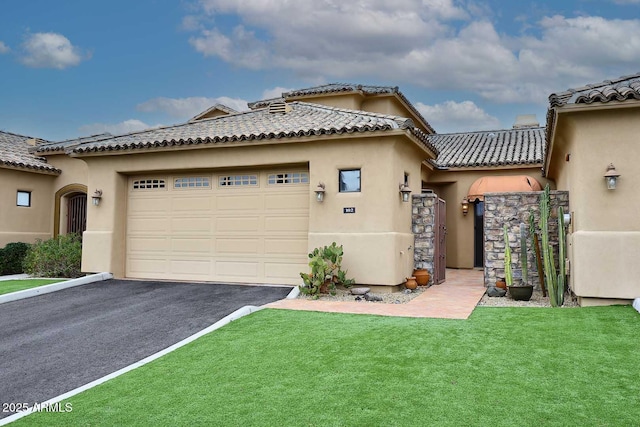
(478, 234)
(440, 261)
(77, 214)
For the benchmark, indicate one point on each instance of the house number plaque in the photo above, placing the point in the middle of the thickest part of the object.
(349, 210)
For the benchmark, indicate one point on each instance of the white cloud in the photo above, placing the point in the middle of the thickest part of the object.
(185, 108)
(276, 92)
(127, 126)
(50, 50)
(3, 48)
(429, 43)
(451, 116)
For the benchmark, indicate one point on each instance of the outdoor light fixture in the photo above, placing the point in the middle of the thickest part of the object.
(95, 199)
(465, 206)
(405, 191)
(611, 177)
(320, 192)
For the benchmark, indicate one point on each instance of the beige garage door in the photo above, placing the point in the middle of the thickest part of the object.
(246, 227)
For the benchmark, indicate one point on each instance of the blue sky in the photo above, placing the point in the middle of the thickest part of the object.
(75, 67)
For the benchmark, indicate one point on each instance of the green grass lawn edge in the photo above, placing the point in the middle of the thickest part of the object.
(501, 367)
(9, 286)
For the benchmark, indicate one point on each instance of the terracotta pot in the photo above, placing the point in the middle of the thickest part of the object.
(501, 284)
(411, 283)
(422, 276)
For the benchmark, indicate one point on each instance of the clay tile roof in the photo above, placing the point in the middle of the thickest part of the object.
(344, 87)
(219, 107)
(14, 153)
(490, 148)
(62, 146)
(301, 120)
(621, 89)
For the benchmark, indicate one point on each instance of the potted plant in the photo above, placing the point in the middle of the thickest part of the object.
(519, 290)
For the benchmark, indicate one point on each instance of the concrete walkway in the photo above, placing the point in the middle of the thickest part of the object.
(453, 299)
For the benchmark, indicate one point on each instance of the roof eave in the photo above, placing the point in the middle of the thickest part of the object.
(30, 168)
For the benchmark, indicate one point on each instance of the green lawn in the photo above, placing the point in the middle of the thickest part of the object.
(502, 367)
(8, 286)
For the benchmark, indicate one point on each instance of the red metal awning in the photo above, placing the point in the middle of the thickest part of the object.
(502, 184)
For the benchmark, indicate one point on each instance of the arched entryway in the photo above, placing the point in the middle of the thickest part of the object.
(493, 184)
(70, 210)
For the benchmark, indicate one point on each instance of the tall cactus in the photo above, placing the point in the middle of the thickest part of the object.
(551, 279)
(508, 274)
(536, 246)
(523, 254)
(562, 243)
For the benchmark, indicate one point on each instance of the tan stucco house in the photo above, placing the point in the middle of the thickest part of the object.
(233, 196)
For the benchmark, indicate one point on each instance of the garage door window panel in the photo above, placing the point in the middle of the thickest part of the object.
(288, 178)
(192, 182)
(226, 181)
(149, 184)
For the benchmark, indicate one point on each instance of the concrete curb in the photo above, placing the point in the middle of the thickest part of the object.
(41, 290)
(294, 293)
(241, 312)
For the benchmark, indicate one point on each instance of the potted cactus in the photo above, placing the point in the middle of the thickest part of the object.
(518, 290)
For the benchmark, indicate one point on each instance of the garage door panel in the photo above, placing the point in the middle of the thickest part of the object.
(242, 202)
(191, 267)
(202, 204)
(286, 202)
(227, 224)
(230, 268)
(145, 205)
(284, 272)
(285, 246)
(147, 224)
(148, 244)
(254, 232)
(182, 224)
(189, 245)
(234, 245)
(286, 224)
(144, 267)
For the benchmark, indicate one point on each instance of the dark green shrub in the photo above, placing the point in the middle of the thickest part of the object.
(11, 258)
(57, 257)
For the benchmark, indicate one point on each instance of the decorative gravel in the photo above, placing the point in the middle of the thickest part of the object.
(387, 298)
(537, 300)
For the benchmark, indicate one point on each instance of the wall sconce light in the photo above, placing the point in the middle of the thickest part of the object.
(611, 177)
(320, 192)
(405, 191)
(465, 206)
(95, 199)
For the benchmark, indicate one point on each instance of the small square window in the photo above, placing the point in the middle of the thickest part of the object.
(23, 198)
(350, 181)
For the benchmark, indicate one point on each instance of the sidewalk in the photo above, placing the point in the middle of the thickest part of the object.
(14, 277)
(453, 299)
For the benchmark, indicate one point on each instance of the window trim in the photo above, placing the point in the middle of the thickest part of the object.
(340, 189)
(23, 192)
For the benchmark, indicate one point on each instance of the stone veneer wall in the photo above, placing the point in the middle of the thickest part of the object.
(512, 209)
(423, 226)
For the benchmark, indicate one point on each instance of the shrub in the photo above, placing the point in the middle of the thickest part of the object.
(11, 258)
(326, 271)
(57, 257)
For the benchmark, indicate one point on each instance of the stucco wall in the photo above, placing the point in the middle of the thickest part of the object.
(376, 238)
(606, 225)
(25, 224)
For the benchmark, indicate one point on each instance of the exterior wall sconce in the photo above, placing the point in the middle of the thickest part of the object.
(320, 192)
(611, 177)
(465, 206)
(405, 191)
(97, 196)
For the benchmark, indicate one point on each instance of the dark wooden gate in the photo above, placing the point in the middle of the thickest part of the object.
(77, 214)
(440, 260)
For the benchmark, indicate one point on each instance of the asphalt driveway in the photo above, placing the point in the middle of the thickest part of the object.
(56, 342)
